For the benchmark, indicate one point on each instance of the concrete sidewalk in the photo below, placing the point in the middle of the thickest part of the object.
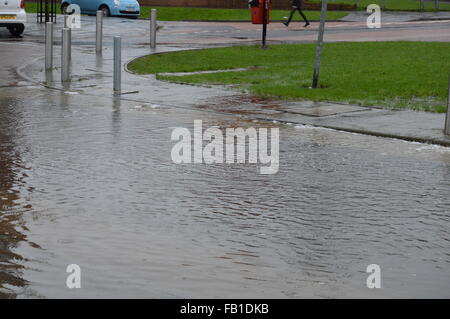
(92, 75)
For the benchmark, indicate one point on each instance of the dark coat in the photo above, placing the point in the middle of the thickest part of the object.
(297, 3)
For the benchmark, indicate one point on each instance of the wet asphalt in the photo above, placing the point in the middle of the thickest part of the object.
(89, 180)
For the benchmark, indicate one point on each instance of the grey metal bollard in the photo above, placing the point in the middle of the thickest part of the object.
(99, 32)
(48, 45)
(67, 26)
(153, 26)
(117, 65)
(70, 44)
(65, 55)
(447, 117)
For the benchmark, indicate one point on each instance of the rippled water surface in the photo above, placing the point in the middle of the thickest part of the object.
(90, 181)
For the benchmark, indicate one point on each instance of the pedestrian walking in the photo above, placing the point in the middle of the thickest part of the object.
(297, 6)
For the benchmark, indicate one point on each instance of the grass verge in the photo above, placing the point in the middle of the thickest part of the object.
(204, 14)
(210, 14)
(410, 75)
(31, 7)
(396, 5)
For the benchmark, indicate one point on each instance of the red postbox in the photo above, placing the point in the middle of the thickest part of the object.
(257, 10)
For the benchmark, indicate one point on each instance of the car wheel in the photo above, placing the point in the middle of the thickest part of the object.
(64, 8)
(16, 30)
(106, 12)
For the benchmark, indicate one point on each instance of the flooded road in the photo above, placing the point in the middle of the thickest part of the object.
(90, 181)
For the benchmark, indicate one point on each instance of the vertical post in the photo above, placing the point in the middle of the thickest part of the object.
(153, 26)
(422, 5)
(436, 5)
(117, 65)
(323, 16)
(65, 64)
(447, 117)
(383, 5)
(99, 32)
(70, 44)
(46, 12)
(49, 46)
(68, 25)
(53, 11)
(264, 31)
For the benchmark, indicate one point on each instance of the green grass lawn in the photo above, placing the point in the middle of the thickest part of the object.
(31, 7)
(394, 4)
(390, 74)
(203, 14)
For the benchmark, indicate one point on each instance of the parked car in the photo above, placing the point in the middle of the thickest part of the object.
(13, 16)
(129, 8)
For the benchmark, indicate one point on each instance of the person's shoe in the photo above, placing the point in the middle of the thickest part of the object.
(307, 24)
(286, 24)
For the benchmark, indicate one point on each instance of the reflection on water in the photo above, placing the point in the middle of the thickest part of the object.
(12, 173)
(107, 197)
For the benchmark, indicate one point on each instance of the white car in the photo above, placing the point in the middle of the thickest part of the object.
(13, 16)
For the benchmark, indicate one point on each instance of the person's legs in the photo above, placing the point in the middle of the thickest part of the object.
(303, 16)
(290, 17)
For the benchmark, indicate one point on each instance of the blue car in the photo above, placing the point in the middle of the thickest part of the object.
(128, 8)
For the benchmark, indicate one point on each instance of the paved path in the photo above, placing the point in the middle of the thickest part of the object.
(92, 74)
(222, 33)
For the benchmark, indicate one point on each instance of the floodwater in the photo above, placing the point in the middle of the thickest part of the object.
(90, 181)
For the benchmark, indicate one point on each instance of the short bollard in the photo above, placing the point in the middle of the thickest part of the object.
(117, 65)
(447, 117)
(65, 54)
(48, 45)
(153, 26)
(68, 25)
(70, 44)
(99, 32)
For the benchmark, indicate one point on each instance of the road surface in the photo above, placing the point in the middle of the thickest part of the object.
(89, 180)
